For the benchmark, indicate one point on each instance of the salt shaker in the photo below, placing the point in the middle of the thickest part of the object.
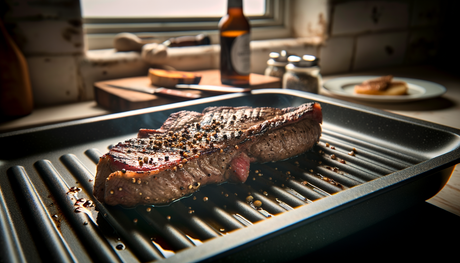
(302, 73)
(276, 65)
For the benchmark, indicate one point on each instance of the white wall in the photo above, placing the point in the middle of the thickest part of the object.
(360, 35)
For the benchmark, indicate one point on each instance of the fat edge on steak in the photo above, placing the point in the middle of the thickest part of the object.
(194, 149)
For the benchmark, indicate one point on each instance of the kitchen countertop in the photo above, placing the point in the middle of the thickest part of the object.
(440, 213)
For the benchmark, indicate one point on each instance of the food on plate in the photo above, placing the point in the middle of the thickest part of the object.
(193, 149)
(170, 78)
(382, 86)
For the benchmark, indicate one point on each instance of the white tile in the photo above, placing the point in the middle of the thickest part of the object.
(42, 10)
(309, 18)
(259, 60)
(54, 79)
(49, 37)
(426, 12)
(336, 55)
(350, 18)
(362, 16)
(423, 45)
(380, 50)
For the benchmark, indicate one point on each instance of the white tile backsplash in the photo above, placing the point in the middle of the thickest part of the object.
(380, 50)
(336, 55)
(309, 18)
(54, 79)
(425, 13)
(362, 16)
(423, 46)
(362, 35)
(42, 10)
(50, 37)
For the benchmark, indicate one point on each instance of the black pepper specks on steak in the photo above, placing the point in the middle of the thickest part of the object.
(193, 149)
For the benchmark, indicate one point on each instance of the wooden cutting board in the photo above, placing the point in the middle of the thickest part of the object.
(115, 99)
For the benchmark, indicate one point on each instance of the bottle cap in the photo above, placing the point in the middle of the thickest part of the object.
(304, 61)
(279, 57)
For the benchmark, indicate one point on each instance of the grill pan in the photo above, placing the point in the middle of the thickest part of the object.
(368, 166)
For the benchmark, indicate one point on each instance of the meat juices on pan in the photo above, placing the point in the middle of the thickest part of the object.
(194, 149)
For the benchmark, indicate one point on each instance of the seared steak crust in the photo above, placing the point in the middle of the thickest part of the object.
(193, 149)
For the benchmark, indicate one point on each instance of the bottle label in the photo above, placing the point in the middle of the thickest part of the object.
(241, 54)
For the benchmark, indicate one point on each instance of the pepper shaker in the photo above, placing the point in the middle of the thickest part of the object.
(302, 73)
(276, 65)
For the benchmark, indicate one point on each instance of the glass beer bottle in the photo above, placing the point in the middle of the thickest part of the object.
(235, 52)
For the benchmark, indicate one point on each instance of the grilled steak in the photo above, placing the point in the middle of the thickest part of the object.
(193, 149)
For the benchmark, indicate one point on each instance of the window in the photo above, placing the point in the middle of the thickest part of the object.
(164, 9)
(160, 19)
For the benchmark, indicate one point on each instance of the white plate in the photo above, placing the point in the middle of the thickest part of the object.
(417, 89)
